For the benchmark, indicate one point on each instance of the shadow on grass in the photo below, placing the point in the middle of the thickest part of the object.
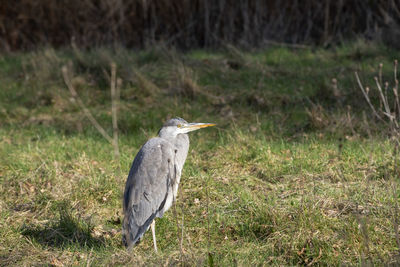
(68, 230)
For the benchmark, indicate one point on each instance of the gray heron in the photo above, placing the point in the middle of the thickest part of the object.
(153, 179)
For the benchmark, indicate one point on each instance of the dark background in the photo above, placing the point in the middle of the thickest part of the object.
(25, 24)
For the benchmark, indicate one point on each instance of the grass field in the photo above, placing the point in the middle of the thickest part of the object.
(297, 171)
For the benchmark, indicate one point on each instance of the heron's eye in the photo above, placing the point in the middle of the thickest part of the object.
(179, 125)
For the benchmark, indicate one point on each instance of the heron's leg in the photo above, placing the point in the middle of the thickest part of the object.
(153, 231)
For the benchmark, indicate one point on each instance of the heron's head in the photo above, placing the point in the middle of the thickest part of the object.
(176, 126)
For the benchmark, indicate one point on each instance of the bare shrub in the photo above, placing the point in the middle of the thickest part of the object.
(388, 112)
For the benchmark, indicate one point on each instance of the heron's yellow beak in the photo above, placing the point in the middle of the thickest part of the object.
(195, 126)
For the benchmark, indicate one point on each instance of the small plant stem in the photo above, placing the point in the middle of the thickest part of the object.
(182, 228)
(177, 230)
(208, 222)
(394, 187)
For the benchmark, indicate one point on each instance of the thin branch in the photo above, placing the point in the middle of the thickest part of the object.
(74, 94)
(396, 88)
(385, 103)
(114, 108)
(387, 112)
(367, 98)
(386, 94)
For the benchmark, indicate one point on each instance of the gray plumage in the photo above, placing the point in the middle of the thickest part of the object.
(154, 177)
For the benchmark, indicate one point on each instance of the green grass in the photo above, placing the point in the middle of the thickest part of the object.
(284, 179)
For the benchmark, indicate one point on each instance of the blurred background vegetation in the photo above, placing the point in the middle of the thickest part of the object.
(192, 24)
(300, 170)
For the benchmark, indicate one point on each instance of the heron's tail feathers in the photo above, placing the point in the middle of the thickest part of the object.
(129, 233)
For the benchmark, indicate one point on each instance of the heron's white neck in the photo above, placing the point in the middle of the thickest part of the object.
(181, 144)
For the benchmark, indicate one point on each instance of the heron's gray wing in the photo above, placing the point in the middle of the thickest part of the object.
(146, 188)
